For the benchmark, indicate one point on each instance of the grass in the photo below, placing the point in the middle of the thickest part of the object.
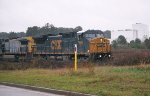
(104, 81)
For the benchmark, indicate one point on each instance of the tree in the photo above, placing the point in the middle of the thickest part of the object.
(4, 35)
(78, 28)
(132, 44)
(32, 31)
(147, 43)
(114, 44)
(21, 34)
(47, 29)
(121, 40)
(12, 35)
(137, 41)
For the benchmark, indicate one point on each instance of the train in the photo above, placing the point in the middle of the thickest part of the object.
(90, 45)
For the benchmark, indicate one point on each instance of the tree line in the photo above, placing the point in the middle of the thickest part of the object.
(121, 42)
(45, 30)
(12, 35)
(49, 29)
(38, 31)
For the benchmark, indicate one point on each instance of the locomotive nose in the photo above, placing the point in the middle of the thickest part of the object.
(100, 48)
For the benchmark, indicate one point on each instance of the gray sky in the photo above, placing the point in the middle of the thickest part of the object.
(17, 15)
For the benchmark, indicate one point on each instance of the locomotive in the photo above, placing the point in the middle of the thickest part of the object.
(90, 45)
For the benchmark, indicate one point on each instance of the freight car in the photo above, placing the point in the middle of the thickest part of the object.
(90, 45)
(19, 45)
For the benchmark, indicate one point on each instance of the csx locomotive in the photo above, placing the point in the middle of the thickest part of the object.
(90, 45)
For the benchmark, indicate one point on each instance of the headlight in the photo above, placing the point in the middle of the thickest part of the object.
(100, 56)
(109, 55)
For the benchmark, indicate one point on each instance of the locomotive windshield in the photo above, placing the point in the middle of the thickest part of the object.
(91, 36)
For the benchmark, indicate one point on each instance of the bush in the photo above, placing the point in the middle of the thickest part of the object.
(35, 63)
(130, 57)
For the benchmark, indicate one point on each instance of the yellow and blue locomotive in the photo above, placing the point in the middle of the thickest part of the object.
(91, 45)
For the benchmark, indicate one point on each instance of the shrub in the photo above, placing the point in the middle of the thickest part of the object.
(130, 57)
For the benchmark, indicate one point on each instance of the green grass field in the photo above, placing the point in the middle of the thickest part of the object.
(104, 81)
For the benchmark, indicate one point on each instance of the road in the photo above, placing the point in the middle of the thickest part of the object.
(13, 91)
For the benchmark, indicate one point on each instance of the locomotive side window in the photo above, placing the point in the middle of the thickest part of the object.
(99, 35)
(89, 36)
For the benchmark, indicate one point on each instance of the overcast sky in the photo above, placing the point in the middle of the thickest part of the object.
(17, 15)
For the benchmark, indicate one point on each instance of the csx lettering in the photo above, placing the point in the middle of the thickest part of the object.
(56, 44)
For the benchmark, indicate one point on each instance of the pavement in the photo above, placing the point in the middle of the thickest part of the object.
(52, 92)
(13, 91)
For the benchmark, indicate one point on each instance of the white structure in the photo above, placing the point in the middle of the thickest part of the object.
(138, 31)
(127, 33)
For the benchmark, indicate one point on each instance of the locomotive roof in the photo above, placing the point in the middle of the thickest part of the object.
(93, 31)
(52, 34)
